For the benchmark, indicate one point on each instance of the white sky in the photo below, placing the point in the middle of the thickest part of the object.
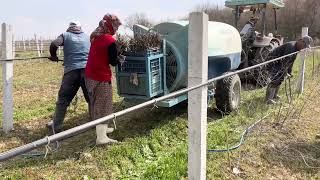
(49, 18)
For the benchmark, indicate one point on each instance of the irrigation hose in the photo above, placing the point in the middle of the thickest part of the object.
(241, 141)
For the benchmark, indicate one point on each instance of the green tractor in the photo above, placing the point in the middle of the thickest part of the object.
(255, 49)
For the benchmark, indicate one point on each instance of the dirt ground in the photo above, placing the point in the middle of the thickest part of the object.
(284, 147)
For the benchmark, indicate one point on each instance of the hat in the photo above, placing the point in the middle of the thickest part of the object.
(307, 40)
(74, 24)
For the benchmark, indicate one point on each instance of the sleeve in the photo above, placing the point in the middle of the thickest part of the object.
(291, 59)
(55, 44)
(113, 54)
(291, 62)
(245, 29)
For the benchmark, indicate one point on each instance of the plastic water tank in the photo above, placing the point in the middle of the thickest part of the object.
(224, 50)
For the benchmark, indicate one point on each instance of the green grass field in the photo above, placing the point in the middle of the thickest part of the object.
(152, 142)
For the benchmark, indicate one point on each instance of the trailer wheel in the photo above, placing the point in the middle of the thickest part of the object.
(228, 94)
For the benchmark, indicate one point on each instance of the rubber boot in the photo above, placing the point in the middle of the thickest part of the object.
(102, 138)
(50, 128)
(276, 96)
(270, 95)
(55, 126)
(109, 130)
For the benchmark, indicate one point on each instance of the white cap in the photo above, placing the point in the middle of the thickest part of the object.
(75, 23)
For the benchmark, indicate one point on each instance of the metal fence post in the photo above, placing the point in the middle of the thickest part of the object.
(29, 44)
(197, 99)
(7, 75)
(37, 44)
(41, 45)
(303, 64)
(13, 46)
(24, 44)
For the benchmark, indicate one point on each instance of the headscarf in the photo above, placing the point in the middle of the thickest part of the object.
(74, 27)
(108, 25)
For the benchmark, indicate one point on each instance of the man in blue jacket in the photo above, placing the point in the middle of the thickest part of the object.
(76, 45)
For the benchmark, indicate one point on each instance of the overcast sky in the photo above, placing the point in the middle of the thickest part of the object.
(49, 18)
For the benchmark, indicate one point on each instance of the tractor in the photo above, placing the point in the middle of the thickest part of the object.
(256, 49)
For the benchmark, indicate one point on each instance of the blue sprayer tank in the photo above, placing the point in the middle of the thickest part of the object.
(158, 73)
(224, 50)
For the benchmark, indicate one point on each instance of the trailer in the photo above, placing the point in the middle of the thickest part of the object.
(155, 73)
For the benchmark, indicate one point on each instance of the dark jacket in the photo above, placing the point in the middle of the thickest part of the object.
(284, 65)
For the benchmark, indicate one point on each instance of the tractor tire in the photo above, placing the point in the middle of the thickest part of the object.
(260, 74)
(228, 94)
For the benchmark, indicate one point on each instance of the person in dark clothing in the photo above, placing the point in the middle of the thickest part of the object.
(278, 70)
(76, 45)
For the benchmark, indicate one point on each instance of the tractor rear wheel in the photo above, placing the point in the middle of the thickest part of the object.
(260, 74)
(228, 94)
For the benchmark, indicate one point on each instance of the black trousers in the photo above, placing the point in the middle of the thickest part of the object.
(70, 85)
(277, 77)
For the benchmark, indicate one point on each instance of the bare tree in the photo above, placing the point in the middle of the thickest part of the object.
(216, 12)
(138, 18)
(295, 15)
(312, 15)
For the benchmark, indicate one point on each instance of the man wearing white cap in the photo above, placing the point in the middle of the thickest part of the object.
(278, 70)
(248, 31)
(76, 45)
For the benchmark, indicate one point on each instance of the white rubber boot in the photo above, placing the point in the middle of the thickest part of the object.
(109, 130)
(102, 137)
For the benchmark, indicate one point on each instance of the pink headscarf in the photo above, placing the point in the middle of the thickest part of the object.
(108, 25)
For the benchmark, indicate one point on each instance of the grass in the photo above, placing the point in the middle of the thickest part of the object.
(153, 143)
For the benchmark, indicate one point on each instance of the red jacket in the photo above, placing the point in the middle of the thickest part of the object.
(98, 68)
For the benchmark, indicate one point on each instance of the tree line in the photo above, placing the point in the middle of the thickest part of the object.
(290, 19)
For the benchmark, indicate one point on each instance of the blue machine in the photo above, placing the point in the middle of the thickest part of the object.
(224, 55)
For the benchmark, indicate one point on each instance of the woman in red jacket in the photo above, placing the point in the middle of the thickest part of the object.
(103, 52)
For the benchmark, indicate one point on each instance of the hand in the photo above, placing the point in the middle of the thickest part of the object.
(53, 58)
(289, 75)
(121, 47)
(121, 59)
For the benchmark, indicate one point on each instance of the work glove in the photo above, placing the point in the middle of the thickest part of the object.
(53, 58)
